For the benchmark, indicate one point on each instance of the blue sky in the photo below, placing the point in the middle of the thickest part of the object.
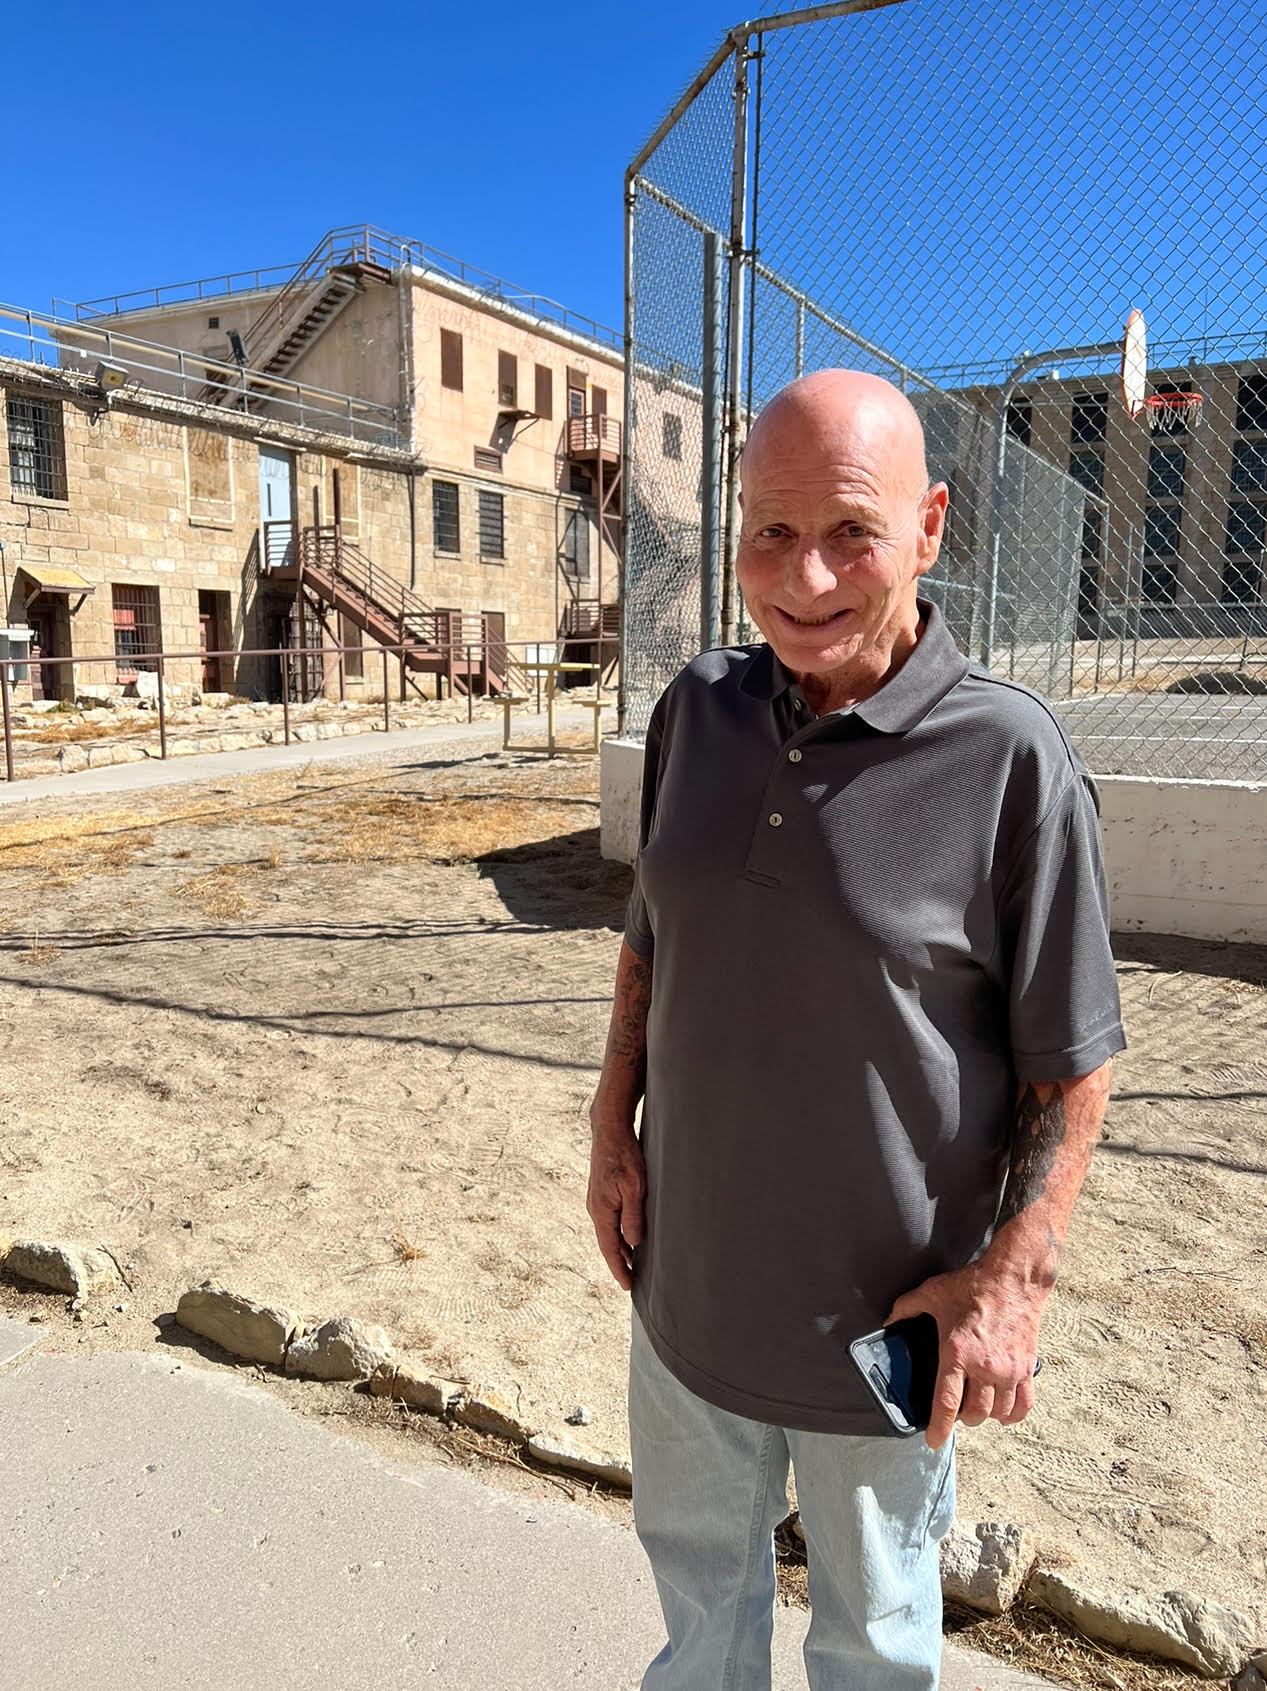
(148, 143)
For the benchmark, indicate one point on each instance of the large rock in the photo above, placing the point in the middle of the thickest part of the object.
(1172, 1624)
(411, 1385)
(255, 1331)
(487, 1411)
(1252, 1677)
(984, 1566)
(76, 1270)
(71, 759)
(340, 1349)
(562, 1450)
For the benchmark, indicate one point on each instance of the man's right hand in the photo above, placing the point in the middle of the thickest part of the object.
(618, 1185)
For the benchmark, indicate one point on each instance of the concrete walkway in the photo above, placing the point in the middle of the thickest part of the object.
(530, 731)
(164, 1524)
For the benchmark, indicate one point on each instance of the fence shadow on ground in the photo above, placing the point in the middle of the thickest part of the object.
(561, 882)
(1177, 953)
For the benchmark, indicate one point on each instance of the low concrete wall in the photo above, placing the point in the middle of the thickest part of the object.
(1181, 857)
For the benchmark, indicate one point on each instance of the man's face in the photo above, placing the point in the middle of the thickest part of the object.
(837, 529)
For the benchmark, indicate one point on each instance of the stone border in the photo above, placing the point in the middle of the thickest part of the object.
(987, 1566)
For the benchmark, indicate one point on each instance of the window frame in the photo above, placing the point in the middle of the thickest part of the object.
(43, 476)
(455, 515)
(671, 436)
(491, 510)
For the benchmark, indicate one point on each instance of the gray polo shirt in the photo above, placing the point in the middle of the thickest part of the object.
(866, 929)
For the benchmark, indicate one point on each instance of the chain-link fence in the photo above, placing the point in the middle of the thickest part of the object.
(970, 200)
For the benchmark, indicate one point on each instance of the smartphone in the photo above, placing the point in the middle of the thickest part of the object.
(898, 1365)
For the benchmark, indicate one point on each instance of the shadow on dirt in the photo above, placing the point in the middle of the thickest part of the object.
(1175, 952)
(560, 882)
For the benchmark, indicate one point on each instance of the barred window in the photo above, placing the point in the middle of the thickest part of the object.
(1090, 420)
(1244, 530)
(1088, 469)
(37, 447)
(671, 435)
(576, 546)
(445, 527)
(492, 525)
(1167, 466)
(1161, 530)
(1251, 402)
(1020, 420)
(1249, 466)
(137, 629)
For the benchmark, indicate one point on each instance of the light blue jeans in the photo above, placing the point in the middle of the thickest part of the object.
(709, 1490)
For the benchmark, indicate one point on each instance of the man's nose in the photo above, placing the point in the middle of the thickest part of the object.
(811, 575)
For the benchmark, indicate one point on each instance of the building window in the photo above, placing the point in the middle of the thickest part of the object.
(1249, 466)
(1087, 468)
(492, 525)
(576, 546)
(354, 658)
(137, 629)
(451, 360)
(1020, 420)
(1251, 402)
(545, 392)
(37, 448)
(507, 379)
(213, 322)
(598, 401)
(1167, 466)
(580, 480)
(487, 459)
(1243, 545)
(1089, 423)
(446, 532)
(576, 393)
(1092, 533)
(671, 436)
(1161, 551)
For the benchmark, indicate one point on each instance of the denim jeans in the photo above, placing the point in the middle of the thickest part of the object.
(709, 1490)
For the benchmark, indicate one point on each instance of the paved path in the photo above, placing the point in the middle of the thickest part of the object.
(262, 760)
(164, 1524)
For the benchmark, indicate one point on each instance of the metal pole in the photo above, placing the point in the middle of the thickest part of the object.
(285, 695)
(162, 708)
(738, 228)
(710, 505)
(800, 341)
(387, 707)
(8, 725)
(626, 472)
(470, 687)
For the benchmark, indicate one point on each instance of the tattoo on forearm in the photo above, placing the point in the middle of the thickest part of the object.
(628, 1037)
(1040, 1132)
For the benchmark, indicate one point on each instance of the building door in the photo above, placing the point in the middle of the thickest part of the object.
(212, 621)
(494, 650)
(45, 678)
(277, 528)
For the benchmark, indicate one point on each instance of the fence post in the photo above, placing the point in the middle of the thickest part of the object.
(738, 241)
(470, 687)
(387, 704)
(162, 708)
(8, 726)
(285, 696)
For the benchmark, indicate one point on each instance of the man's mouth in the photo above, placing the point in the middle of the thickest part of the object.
(813, 622)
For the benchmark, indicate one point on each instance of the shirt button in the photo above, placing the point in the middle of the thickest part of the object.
(794, 756)
(776, 821)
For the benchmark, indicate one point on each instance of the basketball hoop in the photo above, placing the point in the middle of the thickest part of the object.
(1173, 413)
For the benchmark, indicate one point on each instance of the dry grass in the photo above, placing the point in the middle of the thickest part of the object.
(405, 1249)
(53, 732)
(62, 850)
(418, 827)
(225, 891)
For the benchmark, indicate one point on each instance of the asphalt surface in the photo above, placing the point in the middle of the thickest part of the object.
(1194, 737)
(167, 1524)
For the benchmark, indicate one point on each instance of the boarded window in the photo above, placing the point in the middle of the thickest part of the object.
(487, 459)
(354, 658)
(451, 360)
(507, 379)
(545, 391)
(598, 401)
(671, 435)
(446, 532)
(210, 477)
(492, 525)
(576, 546)
(137, 631)
(37, 447)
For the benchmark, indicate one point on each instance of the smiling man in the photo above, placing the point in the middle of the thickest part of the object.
(867, 1000)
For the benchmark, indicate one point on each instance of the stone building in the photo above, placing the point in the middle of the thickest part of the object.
(380, 446)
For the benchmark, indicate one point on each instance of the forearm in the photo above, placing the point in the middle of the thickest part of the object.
(625, 1060)
(1058, 1126)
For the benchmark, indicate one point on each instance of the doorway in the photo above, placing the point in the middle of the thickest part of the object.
(277, 510)
(213, 624)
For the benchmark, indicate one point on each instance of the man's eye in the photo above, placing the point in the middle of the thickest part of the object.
(774, 531)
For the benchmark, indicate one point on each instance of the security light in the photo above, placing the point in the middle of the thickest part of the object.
(110, 377)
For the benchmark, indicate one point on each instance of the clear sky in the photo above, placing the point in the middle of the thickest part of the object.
(149, 143)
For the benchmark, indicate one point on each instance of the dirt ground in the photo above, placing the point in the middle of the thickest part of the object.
(331, 1035)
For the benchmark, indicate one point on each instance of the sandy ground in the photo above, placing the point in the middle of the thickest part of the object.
(331, 1036)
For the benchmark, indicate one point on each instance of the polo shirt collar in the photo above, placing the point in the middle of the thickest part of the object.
(933, 668)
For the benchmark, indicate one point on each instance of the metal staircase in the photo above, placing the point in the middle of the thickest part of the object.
(454, 644)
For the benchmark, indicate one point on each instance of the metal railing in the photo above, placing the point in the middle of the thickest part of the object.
(74, 349)
(476, 663)
(592, 432)
(179, 293)
(365, 244)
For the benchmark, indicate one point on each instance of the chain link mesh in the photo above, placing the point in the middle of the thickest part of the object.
(947, 196)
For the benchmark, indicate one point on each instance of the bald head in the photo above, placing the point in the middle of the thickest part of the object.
(839, 523)
(841, 410)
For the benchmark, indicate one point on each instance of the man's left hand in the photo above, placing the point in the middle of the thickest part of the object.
(987, 1322)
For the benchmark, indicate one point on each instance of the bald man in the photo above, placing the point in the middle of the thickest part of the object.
(867, 1003)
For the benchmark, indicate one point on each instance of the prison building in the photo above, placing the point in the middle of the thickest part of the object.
(382, 445)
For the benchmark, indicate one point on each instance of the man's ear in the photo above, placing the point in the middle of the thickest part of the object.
(932, 526)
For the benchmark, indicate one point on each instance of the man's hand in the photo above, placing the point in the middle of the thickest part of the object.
(987, 1323)
(618, 1185)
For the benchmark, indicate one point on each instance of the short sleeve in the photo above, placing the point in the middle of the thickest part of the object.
(1064, 1014)
(639, 935)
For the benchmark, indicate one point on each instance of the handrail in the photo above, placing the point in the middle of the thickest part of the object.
(593, 431)
(189, 372)
(365, 243)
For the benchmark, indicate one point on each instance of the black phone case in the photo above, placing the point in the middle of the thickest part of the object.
(898, 1366)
